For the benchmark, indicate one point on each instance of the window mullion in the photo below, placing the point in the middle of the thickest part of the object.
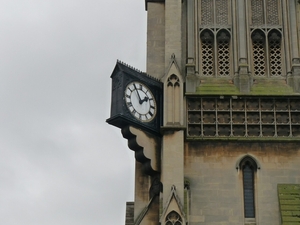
(265, 12)
(267, 51)
(216, 47)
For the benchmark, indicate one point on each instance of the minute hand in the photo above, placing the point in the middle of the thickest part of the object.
(140, 100)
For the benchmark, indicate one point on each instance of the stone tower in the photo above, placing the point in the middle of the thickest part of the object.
(228, 152)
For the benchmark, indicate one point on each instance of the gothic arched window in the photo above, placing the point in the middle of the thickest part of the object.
(259, 53)
(207, 53)
(223, 48)
(266, 53)
(215, 53)
(275, 53)
(248, 168)
(215, 48)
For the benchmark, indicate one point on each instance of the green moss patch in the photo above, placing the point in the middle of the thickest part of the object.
(271, 87)
(289, 202)
(217, 87)
(261, 86)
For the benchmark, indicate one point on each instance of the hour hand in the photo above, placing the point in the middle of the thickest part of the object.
(144, 100)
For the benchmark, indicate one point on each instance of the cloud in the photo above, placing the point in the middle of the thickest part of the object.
(60, 162)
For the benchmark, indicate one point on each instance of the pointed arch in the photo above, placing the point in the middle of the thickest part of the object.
(275, 52)
(215, 53)
(173, 213)
(207, 53)
(224, 56)
(173, 95)
(250, 160)
(248, 167)
(259, 52)
(267, 54)
(173, 92)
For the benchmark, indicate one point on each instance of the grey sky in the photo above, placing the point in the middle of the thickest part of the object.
(60, 163)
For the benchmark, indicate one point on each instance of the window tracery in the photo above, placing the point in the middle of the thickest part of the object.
(173, 81)
(272, 12)
(258, 51)
(173, 218)
(223, 41)
(219, 16)
(206, 11)
(207, 53)
(215, 53)
(218, 49)
(257, 12)
(222, 12)
(264, 12)
(266, 53)
(275, 54)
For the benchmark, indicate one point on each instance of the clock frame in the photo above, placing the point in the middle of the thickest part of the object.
(140, 101)
(122, 113)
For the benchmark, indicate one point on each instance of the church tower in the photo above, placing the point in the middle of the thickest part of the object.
(224, 147)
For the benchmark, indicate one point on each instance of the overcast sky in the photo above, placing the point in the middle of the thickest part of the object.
(60, 162)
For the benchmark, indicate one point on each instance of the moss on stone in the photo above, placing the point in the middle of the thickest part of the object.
(271, 87)
(262, 86)
(217, 87)
(289, 202)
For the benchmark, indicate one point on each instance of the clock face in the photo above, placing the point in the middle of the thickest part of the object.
(140, 101)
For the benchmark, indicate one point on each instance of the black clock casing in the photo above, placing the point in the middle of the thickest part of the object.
(120, 115)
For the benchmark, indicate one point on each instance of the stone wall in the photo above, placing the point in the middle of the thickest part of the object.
(216, 183)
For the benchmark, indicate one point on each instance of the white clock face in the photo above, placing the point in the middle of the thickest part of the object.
(140, 101)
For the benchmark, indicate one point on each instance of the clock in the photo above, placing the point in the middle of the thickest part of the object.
(140, 101)
(136, 99)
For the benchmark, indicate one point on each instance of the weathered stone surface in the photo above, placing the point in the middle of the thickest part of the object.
(216, 185)
(129, 213)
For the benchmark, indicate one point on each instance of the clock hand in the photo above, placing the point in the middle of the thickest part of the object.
(145, 99)
(140, 100)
